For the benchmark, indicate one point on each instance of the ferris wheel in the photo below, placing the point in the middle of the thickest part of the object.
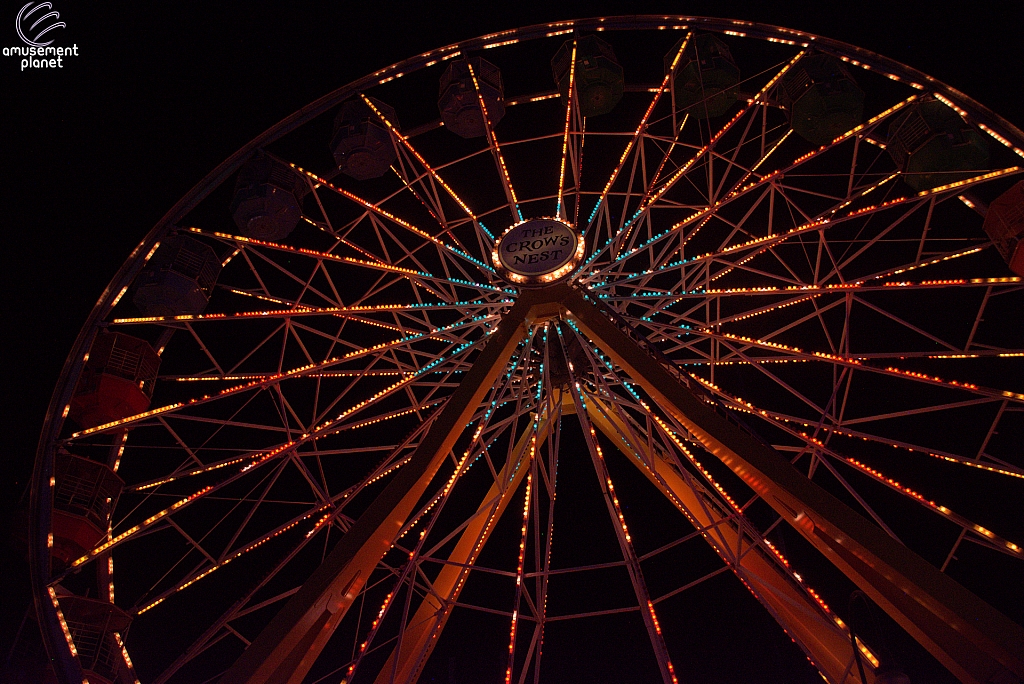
(564, 347)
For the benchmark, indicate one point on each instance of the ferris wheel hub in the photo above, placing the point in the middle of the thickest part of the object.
(537, 251)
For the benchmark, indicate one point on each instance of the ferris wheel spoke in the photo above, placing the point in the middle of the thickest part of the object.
(321, 257)
(570, 109)
(736, 342)
(230, 555)
(305, 283)
(257, 459)
(355, 312)
(653, 194)
(204, 568)
(624, 538)
(948, 189)
(697, 298)
(492, 143)
(404, 141)
(842, 426)
(640, 131)
(377, 211)
(762, 244)
(981, 535)
(953, 348)
(238, 609)
(288, 375)
(980, 460)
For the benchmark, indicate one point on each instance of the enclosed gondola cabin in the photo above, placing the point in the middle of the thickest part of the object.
(267, 204)
(933, 146)
(84, 494)
(361, 144)
(1004, 224)
(178, 279)
(598, 76)
(95, 628)
(821, 97)
(460, 95)
(117, 381)
(706, 81)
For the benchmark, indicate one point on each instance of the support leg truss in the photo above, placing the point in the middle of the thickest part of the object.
(827, 644)
(974, 641)
(425, 626)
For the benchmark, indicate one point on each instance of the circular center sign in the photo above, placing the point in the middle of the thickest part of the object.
(537, 251)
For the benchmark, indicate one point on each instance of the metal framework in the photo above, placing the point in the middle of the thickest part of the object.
(329, 478)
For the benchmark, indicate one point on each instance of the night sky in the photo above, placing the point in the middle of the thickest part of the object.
(93, 154)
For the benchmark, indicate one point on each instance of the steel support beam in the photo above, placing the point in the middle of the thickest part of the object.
(977, 643)
(825, 642)
(424, 628)
(973, 640)
(287, 647)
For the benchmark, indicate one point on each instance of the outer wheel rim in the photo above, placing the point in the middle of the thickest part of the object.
(127, 273)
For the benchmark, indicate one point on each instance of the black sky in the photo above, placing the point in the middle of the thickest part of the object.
(93, 154)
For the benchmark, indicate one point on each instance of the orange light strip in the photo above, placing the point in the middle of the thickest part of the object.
(522, 559)
(1002, 141)
(870, 122)
(478, 546)
(301, 371)
(755, 100)
(930, 262)
(263, 376)
(629, 541)
(316, 311)
(767, 241)
(495, 147)
(191, 473)
(565, 137)
(964, 115)
(779, 172)
(369, 637)
(642, 125)
(969, 181)
(747, 407)
(459, 470)
(127, 659)
(405, 141)
(690, 457)
(859, 285)
(650, 198)
(857, 363)
(334, 257)
(391, 416)
(386, 214)
(664, 160)
(878, 476)
(875, 474)
(245, 549)
(265, 243)
(63, 623)
(320, 431)
(141, 526)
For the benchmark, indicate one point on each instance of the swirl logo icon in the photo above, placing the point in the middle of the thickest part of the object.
(36, 21)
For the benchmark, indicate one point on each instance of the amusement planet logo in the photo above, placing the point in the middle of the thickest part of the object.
(33, 23)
